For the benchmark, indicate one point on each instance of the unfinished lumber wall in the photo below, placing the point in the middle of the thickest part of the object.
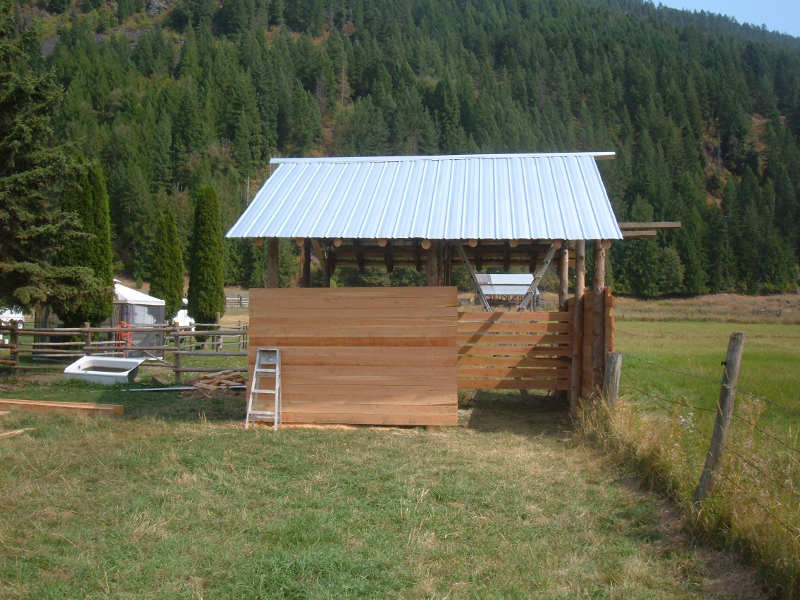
(514, 350)
(373, 356)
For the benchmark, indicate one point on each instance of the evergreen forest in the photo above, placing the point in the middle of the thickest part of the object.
(703, 113)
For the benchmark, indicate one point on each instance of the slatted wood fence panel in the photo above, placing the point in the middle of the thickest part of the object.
(373, 356)
(514, 350)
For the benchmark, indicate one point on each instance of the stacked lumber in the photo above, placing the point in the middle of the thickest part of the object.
(219, 380)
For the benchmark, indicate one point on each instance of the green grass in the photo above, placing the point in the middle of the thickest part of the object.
(175, 500)
(670, 386)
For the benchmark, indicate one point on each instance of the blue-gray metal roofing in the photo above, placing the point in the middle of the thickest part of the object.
(497, 196)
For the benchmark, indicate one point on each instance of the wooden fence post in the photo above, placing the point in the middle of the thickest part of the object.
(727, 393)
(88, 335)
(177, 355)
(611, 377)
(13, 339)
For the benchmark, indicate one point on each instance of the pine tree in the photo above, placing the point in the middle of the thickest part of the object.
(166, 268)
(33, 227)
(206, 268)
(87, 198)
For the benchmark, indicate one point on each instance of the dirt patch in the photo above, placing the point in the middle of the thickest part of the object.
(723, 574)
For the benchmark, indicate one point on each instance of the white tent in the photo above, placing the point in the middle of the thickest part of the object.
(133, 308)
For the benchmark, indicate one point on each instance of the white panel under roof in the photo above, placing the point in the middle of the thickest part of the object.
(490, 196)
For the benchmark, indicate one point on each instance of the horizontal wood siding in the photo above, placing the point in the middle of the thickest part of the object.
(369, 356)
(514, 350)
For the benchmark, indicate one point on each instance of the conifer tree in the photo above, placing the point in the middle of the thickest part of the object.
(33, 227)
(87, 198)
(166, 268)
(206, 268)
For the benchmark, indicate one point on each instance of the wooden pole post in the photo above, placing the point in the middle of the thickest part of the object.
(13, 339)
(580, 268)
(577, 324)
(563, 272)
(727, 393)
(88, 336)
(273, 272)
(306, 262)
(600, 248)
(611, 376)
(432, 266)
(176, 339)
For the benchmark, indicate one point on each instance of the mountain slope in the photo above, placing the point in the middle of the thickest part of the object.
(704, 114)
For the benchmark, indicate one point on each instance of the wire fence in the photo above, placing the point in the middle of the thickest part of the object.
(759, 482)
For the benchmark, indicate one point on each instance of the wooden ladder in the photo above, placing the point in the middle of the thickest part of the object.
(267, 366)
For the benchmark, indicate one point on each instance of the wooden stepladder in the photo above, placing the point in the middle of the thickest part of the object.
(267, 368)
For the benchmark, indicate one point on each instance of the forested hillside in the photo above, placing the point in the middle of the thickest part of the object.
(704, 114)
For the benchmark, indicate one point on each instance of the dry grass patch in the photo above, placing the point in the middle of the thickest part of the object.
(174, 506)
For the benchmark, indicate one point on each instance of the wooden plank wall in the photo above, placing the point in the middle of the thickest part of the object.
(514, 350)
(371, 356)
(598, 338)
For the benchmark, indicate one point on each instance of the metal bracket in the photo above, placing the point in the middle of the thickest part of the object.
(533, 289)
(468, 265)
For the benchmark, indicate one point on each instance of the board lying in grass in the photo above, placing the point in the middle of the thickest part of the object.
(62, 407)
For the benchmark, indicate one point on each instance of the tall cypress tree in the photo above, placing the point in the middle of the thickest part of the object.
(166, 268)
(207, 267)
(87, 198)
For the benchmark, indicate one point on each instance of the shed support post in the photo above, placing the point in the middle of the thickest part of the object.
(306, 263)
(598, 333)
(563, 273)
(273, 272)
(576, 384)
(600, 248)
(329, 264)
(439, 264)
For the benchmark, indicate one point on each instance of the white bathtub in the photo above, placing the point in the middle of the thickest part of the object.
(106, 370)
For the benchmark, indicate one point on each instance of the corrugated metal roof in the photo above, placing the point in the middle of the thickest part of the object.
(504, 284)
(490, 196)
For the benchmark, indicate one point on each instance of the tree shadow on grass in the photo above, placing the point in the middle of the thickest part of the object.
(179, 406)
(510, 412)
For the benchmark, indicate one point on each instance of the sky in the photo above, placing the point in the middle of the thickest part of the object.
(777, 15)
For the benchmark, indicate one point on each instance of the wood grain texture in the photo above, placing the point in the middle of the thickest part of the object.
(514, 350)
(361, 356)
(62, 407)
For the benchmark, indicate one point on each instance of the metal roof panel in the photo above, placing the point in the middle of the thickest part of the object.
(489, 196)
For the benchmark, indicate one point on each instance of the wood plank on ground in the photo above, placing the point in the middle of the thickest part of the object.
(62, 407)
(13, 432)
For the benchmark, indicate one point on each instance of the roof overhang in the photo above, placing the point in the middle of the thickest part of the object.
(482, 197)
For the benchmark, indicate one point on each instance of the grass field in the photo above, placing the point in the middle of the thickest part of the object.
(670, 388)
(175, 500)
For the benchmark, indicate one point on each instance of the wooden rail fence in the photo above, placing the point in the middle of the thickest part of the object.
(514, 350)
(51, 348)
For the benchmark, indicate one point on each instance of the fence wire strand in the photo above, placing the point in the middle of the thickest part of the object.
(792, 530)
